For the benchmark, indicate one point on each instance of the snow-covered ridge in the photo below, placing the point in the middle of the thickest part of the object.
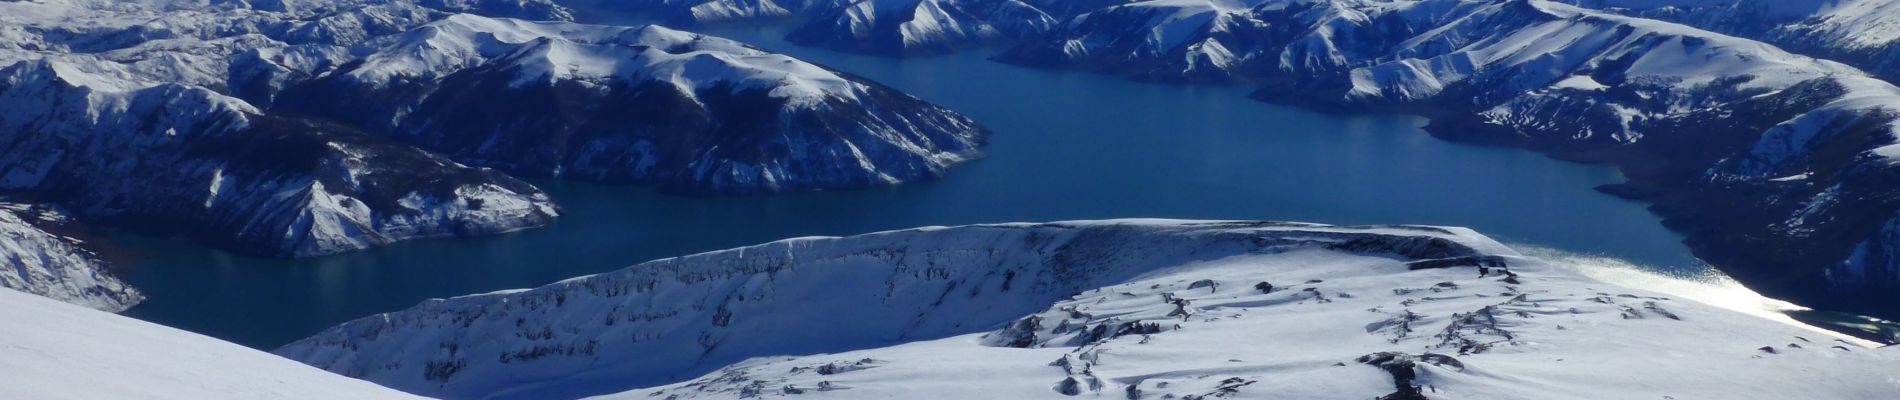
(1863, 33)
(912, 27)
(52, 351)
(550, 99)
(35, 259)
(1699, 119)
(1168, 307)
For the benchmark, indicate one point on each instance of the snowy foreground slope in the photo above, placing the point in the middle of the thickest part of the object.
(1144, 309)
(53, 351)
(35, 259)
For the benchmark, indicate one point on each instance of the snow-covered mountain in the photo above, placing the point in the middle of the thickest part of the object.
(184, 159)
(54, 351)
(912, 27)
(40, 255)
(121, 111)
(553, 99)
(170, 116)
(1142, 309)
(1775, 164)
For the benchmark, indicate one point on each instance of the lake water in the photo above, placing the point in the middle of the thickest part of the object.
(1065, 146)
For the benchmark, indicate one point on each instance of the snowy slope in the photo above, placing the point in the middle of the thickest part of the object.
(550, 99)
(1775, 164)
(53, 351)
(37, 260)
(1091, 308)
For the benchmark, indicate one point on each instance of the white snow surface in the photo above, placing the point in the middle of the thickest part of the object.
(1143, 309)
(55, 351)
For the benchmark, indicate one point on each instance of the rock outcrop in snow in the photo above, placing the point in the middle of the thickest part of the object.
(1774, 164)
(554, 99)
(1139, 309)
(38, 255)
(51, 350)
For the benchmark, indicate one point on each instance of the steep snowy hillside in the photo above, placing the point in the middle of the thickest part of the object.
(1775, 164)
(53, 351)
(912, 27)
(37, 258)
(1130, 309)
(180, 159)
(552, 99)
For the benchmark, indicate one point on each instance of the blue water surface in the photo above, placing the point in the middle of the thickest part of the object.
(1065, 146)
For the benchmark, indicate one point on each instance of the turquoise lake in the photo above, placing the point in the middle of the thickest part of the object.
(1065, 145)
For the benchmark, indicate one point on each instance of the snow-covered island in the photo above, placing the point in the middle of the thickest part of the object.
(1137, 309)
